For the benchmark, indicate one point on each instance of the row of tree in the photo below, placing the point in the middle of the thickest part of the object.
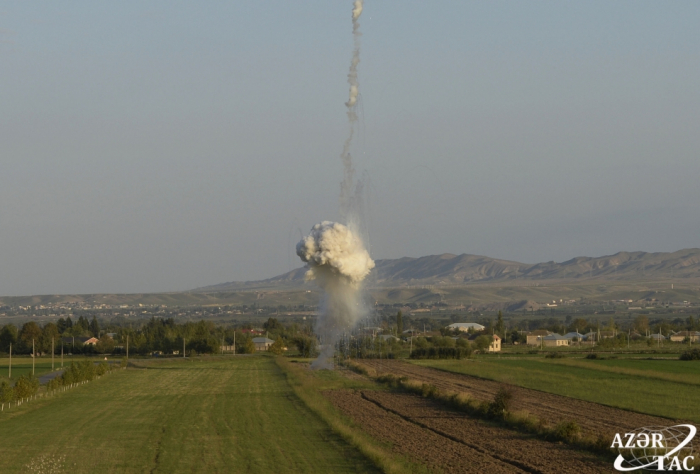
(25, 387)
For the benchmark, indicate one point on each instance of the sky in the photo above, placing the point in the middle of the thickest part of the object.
(168, 145)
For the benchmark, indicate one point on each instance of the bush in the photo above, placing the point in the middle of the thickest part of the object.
(102, 368)
(567, 431)
(306, 346)
(501, 402)
(555, 355)
(592, 356)
(692, 354)
(7, 395)
(483, 342)
(26, 386)
(277, 347)
(442, 353)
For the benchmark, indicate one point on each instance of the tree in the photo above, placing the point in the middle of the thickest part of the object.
(7, 395)
(271, 325)
(483, 342)
(249, 347)
(30, 332)
(277, 347)
(306, 346)
(500, 325)
(95, 327)
(49, 332)
(8, 336)
(26, 386)
(641, 324)
(399, 323)
(61, 325)
(105, 345)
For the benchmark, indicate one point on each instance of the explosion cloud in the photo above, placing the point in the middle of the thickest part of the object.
(338, 262)
(336, 256)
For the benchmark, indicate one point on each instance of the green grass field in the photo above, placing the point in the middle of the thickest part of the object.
(665, 388)
(23, 366)
(236, 414)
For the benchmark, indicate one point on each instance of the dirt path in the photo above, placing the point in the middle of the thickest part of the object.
(592, 417)
(451, 442)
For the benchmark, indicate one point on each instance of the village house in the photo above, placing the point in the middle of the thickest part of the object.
(683, 336)
(81, 340)
(495, 345)
(555, 340)
(262, 343)
(534, 337)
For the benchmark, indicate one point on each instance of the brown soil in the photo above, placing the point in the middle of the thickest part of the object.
(451, 442)
(593, 418)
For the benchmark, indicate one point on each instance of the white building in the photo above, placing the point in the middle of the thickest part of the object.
(466, 326)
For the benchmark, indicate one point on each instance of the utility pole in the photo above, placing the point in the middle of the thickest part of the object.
(61, 353)
(52, 351)
(183, 347)
(234, 342)
(33, 357)
(10, 374)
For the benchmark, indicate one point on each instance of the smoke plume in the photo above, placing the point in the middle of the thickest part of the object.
(346, 186)
(334, 252)
(338, 261)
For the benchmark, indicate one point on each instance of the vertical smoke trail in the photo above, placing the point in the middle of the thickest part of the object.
(346, 186)
(335, 254)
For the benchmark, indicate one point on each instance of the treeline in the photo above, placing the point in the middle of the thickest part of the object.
(154, 335)
(83, 371)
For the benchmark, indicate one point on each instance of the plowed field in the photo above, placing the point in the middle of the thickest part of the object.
(451, 442)
(592, 417)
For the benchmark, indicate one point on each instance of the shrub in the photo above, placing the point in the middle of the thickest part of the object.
(483, 342)
(592, 356)
(26, 386)
(567, 431)
(501, 402)
(429, 391)
(441, 353)
(277, 347)
(306, 346)
(7, 395)
(692, 354)
(102, 368)
(554, 355)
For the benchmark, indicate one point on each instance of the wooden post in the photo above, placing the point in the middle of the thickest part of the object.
(52, 351)
(10, 374)
(183, 347)
(234, 342)
(33, 357)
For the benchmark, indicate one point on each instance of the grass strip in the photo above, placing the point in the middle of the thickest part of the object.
(307, 389)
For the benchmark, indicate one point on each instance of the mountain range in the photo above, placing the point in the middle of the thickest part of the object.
(451, 269)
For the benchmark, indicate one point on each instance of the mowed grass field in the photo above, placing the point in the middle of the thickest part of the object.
(23, 366)
(235, 414)
(669, 388)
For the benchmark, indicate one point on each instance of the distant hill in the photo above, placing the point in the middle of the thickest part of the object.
(450, 269)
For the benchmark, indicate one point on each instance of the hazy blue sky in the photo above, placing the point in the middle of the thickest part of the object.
(157, 146)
